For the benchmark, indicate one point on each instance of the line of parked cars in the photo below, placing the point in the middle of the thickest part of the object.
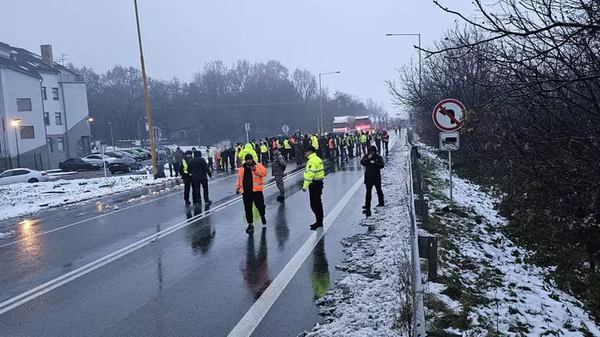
(116, 161)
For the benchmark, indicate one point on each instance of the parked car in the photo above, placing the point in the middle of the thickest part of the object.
(146, 153)
(135, 154)
(77, 164)
(120, 157)
(119, 167)
(98, 160)
(22, 175)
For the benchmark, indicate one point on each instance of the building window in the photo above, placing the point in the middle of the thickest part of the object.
(47, 118)
(60, 144)
(50, 145)
(57, 118)
(55, 94)
(27, 132)
(44, 94)
(24, 104)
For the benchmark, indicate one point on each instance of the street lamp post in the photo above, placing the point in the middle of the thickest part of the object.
(112, 139)
(418, 35)
(321, 128)
(138, 129)
(90, 120)
(16, 123)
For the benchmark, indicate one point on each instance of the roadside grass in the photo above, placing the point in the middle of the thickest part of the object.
(472, 294)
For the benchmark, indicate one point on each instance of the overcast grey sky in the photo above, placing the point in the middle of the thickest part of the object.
(180, 36)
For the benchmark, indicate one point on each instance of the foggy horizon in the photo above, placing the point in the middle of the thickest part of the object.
(179, 38)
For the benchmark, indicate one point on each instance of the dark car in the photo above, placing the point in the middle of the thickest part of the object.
(77, 164)
(119, 167)
(122, 167)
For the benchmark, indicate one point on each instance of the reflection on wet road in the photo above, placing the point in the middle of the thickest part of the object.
(320, 273)
(256, 269)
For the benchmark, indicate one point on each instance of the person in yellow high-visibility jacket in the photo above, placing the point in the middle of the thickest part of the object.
(287, 148)
(264, 153)
(314, 141)
(248, 148)
(314, 173)
(184, 170)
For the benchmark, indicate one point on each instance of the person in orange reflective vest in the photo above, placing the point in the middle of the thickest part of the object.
(250, 182)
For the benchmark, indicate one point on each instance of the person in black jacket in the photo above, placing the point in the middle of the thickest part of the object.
(178, 156)
(200, 172)
(373, 164)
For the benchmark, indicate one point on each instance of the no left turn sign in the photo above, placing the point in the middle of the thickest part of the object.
(448, 115)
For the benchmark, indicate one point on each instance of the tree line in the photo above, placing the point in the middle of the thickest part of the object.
(216, 103)
(528, 72)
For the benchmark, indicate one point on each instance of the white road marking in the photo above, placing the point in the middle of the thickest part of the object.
(101, 215)
(259, 309)
(83, 270)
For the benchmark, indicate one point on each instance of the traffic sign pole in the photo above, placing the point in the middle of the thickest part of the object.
(448, 117)
(450, 168)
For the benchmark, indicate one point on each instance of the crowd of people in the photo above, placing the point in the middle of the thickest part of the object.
(252, 159)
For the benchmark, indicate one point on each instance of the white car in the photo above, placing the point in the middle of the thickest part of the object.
(22, 175)
(98, 160)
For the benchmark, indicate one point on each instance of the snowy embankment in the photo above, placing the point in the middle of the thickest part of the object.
(371, 298)
(486, 287)
(23, 198)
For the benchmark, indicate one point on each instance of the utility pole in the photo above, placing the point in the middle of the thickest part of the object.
(146, 96)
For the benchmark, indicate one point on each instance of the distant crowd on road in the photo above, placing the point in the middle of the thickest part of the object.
(252, 159)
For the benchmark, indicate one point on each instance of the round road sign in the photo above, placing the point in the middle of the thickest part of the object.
(448, 115)
(285, 129)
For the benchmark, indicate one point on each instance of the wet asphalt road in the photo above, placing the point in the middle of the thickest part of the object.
(199, 280)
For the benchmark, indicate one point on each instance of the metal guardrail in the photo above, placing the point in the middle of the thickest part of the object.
(414, 185)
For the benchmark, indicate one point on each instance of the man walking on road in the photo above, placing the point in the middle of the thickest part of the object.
(378, 140)
(386, 142)
(313, 181)
(278, 171)
(373, 164)
(184, 170)
(209, 157)
(178, 155)
(200, 172)
(250, 183)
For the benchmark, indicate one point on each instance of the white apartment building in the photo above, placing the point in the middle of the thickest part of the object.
(43, 110)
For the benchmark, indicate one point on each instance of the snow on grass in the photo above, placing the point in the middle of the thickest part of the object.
(371, 299)
(7, 235)
(23, 198)
(485, 271)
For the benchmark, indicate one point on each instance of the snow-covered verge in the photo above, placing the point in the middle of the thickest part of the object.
(373, 296)
(23, 198)
(485, 286)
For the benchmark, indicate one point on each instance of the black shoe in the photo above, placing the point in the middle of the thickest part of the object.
(316, 225)
(367, 212)
(208, 202)
(263, 219)
(250, 228)
(187, 203)
(364, 207)
(380, 204)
